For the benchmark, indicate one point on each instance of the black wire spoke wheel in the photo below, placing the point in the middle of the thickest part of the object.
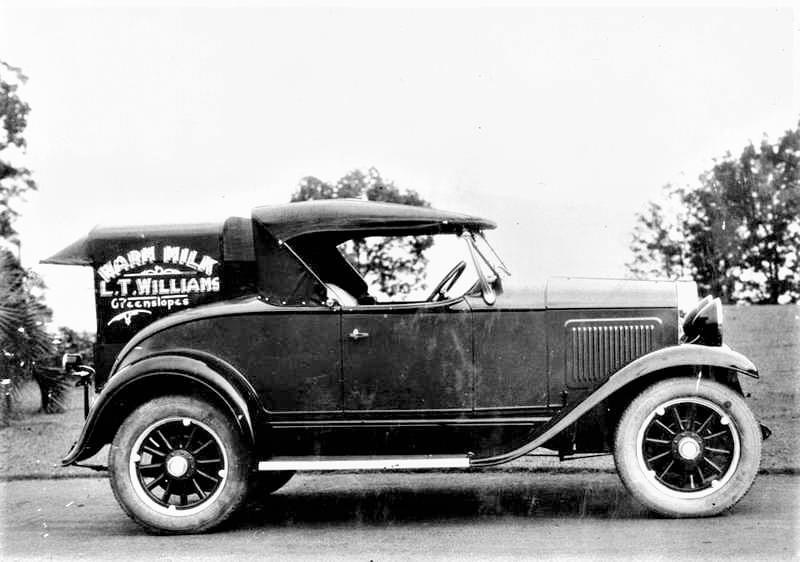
(177, 465)
(689, 446)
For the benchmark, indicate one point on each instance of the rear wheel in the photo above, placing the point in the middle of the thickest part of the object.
(178, 465)
(688, 449)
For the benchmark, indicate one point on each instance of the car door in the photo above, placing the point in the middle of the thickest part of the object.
(410, 358)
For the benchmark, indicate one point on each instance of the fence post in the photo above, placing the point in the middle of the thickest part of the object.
(5, 388)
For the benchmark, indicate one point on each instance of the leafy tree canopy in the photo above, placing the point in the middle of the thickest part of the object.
(15, 179)
(395, 265)
(737, 232)
(24, 340)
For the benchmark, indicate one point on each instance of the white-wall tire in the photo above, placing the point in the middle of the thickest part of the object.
(178, 465)
(688, 447)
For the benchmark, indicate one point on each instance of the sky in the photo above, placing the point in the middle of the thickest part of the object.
(558, 123)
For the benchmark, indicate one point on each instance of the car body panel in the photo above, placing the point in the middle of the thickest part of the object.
(408, 358)
(307, 380)
(510, 358)
(228, 385)
(590, 293)
(654, 362)
(588, 345)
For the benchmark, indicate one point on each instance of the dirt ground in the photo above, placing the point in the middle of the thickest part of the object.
(769, 335)
(432, 516)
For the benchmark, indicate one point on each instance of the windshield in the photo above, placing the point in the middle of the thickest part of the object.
(394, 269)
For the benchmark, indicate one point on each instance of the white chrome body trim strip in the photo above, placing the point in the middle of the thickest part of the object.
(401, 422)
(363, 463)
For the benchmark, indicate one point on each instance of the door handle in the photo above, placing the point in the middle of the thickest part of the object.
(356, 335)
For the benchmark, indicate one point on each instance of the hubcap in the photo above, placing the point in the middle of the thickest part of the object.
(177, 466)
(688, 448)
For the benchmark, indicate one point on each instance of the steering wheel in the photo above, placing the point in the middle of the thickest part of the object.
(447, 281)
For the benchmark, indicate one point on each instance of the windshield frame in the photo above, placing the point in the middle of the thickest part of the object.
(490, 284)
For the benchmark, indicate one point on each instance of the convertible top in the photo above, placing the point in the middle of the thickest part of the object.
(285, 222)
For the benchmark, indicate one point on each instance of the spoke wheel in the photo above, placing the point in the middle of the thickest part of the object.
(688, 448)
(689, 445)
(178, 464)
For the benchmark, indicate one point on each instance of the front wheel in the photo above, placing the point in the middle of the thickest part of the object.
(178, 465)
(688, 448)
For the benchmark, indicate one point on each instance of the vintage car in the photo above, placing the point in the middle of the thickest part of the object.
(231, 355)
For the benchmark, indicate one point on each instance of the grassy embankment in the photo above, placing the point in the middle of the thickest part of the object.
(769, 335)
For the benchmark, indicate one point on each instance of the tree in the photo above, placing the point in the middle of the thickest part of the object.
(658, 240)
(24, 340)
(771, 214)
(396, 265)
(737, 233)
(15, 179)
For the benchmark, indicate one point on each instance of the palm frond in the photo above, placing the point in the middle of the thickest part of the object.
(23, 316)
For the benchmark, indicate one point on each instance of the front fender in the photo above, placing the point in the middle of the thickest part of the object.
(662, 359)
(99, 429)
(689, 354)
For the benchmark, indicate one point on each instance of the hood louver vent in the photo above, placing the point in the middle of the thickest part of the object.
(599, 348)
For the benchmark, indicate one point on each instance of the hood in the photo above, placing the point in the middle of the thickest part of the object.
(577, 292)
(580, 292)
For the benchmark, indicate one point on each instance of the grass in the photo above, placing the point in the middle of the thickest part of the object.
(770, 337)
(33, 443)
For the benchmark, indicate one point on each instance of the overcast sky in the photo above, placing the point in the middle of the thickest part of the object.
(558, 123)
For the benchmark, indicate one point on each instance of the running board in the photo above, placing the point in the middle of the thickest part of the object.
(364, 463)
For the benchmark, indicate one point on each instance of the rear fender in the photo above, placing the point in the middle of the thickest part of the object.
(665, 359)
(159, 375)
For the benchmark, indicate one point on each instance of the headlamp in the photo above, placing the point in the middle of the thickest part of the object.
(703, 324)
(69, 361)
